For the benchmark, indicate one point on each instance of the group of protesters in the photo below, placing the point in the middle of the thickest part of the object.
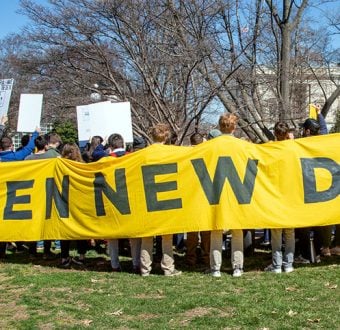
(289, 246)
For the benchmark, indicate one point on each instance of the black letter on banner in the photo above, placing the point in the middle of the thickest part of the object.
(12, 198)
(309, 180)
(60, 200)
(225, 169)
(152, 188)
(119, 198)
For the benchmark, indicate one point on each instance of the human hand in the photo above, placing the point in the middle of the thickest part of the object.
(3, 120)
(38, 129)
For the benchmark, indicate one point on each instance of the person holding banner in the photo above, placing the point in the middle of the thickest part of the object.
(7, 154)
(281, 132)
(160, 133)
(116, 149)
(193, 237)
(321, 235)
(71, 151)
(227, 125)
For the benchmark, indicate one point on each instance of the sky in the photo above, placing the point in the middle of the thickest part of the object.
(12, 22)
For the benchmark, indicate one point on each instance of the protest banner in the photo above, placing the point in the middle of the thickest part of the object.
(225, 183)
(6, 86)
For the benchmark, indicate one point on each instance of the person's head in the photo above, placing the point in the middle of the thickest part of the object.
(25, 139)
(160, 133)
(71, 151)
(310, 127)
(54, 140)
(138, 143)
(40, 143)
(6, 144)
(214, 133)
(227, 123)
(196, 139)
(281, 131)
(115, 141)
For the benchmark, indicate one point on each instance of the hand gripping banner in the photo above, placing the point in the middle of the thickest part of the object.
(225, 183)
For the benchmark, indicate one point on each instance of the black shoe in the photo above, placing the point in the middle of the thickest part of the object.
(66, 263)
(79, 262)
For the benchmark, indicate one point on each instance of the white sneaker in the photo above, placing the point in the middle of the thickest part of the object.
(215, 273)
(288, 269)
(272, 269)
(237, 272)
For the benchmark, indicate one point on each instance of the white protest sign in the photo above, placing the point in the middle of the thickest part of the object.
(104, 119)
(6, 86)
(29, 112)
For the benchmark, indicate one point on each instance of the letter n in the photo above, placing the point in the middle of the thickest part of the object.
(118, 198)
(61, 200)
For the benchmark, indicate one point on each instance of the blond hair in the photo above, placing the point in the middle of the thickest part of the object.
(160, 133)
(227, 123)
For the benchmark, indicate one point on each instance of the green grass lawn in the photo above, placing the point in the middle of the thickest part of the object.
(39, 295)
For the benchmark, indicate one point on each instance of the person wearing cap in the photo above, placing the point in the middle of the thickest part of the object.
(322, 235)
(138, 143)
(214, 133)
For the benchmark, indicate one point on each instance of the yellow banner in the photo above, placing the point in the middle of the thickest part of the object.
(225, 183)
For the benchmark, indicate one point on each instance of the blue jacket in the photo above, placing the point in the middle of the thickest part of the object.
(323, 126)
(10, 156)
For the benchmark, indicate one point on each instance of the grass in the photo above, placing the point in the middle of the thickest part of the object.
(40, 295)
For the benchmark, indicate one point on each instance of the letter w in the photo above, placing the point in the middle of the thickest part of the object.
(226, 169)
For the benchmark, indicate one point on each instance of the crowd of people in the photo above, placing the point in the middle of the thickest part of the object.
(289, 246)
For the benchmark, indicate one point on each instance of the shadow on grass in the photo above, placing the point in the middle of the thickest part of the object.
(255, 261)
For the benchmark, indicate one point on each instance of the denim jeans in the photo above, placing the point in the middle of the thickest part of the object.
(288, 256)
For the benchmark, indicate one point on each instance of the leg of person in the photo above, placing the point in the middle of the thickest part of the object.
(326, 237)
(146, 255)
(3, 250)
(47, 250)
(302, 246)
(113, 246)
(81, 249)
(205, 247)
(237, 252)
(32, 249)
(65, 253)
(192, 243)
(168, 262)
(135, 244)
(276, 242)
(288, 257)
(336, 249)
(216, 252)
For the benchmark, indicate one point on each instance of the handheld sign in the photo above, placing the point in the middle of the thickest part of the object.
(104, 119)
(5, 95)
(29, 112)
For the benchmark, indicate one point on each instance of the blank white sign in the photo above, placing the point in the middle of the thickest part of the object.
(29, 112)
(104, 119)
